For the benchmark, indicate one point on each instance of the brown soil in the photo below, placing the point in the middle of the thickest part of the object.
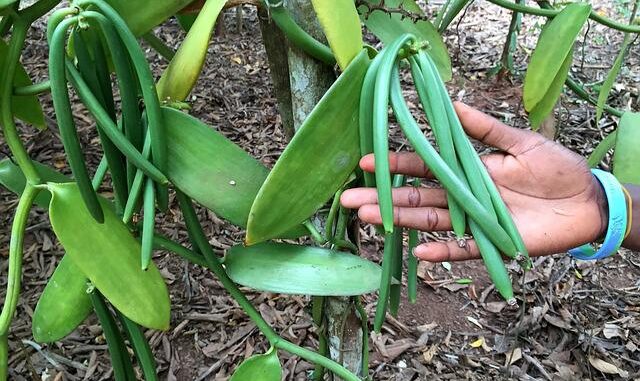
(576, 315)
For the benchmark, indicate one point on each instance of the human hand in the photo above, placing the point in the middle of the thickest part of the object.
(555, 201)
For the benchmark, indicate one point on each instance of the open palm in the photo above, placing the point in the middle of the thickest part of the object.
(555, 201)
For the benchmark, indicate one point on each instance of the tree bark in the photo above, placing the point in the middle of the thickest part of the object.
(276, 47)
(309, 80)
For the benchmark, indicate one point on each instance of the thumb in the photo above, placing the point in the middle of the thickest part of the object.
(494, 133)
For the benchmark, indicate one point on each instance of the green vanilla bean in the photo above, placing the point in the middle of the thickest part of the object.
(457, 188)
(101, 172)
(149, 93)
(148, 223)
(110, 128)
(144, 74)
(396, 262)
(14, 273)
(440, 126)
(64, 116)
(120, 360)
(381, 129)
(366, 115)
(140, 347)
(115, 160)
(412, 267)
(385, 280)
(136, 186)
(479, 172)
(128, 85)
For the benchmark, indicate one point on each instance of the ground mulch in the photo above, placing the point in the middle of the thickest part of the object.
(576, 320)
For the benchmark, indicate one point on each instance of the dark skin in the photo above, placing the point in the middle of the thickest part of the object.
(553, 198)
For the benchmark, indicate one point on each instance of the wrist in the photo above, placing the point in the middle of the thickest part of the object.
(603, 208)
(632, 241)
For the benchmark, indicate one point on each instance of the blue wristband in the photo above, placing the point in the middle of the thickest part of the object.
(617, 220)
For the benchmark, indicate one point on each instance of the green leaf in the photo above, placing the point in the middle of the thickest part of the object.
(316, 162)
(304, 270)
(12, 178)
(627, 151)
(186, 20)
(450, 13)
(607, 85)
(545, 106)
(212, 170)
(550, 55)
(341, 25)
(264, 367)
(25, 107)
(185, 67)
(4, 4)
(63, 305)
(389, 27)
(109, 256)
(142, 15)
(601, 149)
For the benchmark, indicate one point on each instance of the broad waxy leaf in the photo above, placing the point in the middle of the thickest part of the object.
(607, 85)
(63, 305)
(6, 3)
(549, 57)
(304, 270)
(12, 178)
(316, 162)
(545, 106)
(263, 367)
(341, 25)
(184, 69)
(109, 256)
(627, 151)
(212, 170)
(389, 27)
(142, 15)
(25, 107)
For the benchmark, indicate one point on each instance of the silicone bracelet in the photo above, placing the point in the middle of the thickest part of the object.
(617, 220)
(629, 199)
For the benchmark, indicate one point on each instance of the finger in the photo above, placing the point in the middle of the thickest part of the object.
(425, 219)
(446, 251)
(494, 133)
(406, 163)
(406, 196)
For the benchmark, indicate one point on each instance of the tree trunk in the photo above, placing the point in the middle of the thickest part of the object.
(308, 80)
(275, 45)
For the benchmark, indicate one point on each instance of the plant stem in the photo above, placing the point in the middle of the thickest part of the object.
(7, 121)
(582, 93)
(214, 265)
(34, 89)
(552, 13)
(315, 234)
(159, 46)
(318, 319)
(315, 358)
(14, 272)
(160, 242)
